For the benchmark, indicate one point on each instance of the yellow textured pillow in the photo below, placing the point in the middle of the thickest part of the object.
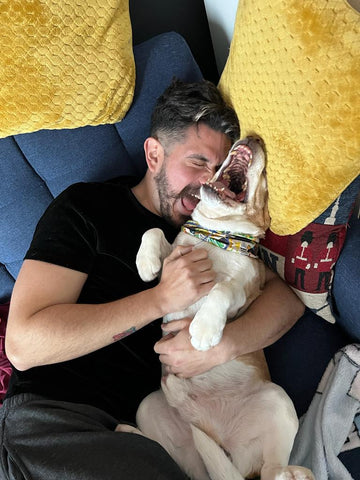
(64, 64)
(293, 76)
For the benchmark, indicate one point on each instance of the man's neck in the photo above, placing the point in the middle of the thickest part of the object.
(144, 195)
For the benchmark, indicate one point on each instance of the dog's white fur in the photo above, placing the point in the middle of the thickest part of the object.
(230, 422)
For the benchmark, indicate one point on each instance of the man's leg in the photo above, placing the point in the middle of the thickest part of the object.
(45, 440)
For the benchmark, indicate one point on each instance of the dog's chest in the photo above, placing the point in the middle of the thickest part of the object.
(226, 263)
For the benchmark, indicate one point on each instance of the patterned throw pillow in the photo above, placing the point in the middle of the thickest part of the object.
(293, 77)
(306, 260)
(64, 64)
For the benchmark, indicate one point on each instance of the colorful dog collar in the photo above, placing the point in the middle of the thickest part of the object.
(235, 242)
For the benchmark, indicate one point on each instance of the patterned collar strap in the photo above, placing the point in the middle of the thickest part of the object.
(235, 242)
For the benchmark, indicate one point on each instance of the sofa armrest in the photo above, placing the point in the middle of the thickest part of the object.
(346, 284)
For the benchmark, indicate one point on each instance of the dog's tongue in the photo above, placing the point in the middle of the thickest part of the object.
(190, 203)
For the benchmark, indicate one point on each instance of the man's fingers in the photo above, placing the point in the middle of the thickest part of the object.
(195, 254)
(175, 325)
(160, 345)
(187, 275)
(180, 251)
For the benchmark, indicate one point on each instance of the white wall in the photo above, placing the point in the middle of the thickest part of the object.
(221, 17)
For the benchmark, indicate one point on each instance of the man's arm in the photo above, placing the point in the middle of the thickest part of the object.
(46, 325)
(267, 319)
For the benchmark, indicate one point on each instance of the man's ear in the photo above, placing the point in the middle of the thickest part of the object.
(154, 153)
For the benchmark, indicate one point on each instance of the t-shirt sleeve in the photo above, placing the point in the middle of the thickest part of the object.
(64, 235)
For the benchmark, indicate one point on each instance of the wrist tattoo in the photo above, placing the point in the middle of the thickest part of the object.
(122, 335)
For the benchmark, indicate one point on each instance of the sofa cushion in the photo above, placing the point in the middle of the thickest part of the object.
(62, 157)
(64, 64)
(293, 77)
(158, 60)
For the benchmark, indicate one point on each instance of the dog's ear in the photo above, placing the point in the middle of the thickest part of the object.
(257, 208)
(154, 154)
(267, 218)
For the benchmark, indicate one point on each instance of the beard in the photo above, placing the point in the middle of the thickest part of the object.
(167, 197)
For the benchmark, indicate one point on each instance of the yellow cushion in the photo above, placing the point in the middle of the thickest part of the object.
(64, 64)
(293, 76)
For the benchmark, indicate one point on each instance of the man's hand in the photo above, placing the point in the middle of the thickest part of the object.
(271, 315)
(178, 355)
(186, 277)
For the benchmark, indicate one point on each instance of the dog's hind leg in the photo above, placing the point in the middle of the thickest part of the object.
(162, 423)
(217, 463)
(278, 438)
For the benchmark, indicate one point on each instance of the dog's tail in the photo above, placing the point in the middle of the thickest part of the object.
(218, 465)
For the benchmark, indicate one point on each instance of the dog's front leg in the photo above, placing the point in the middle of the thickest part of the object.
(208, 324)
(153, 249)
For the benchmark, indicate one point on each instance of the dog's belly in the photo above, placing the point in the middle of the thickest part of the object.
(225, 402)
(235, 380)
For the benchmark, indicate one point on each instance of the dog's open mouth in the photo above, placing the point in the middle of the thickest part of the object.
(230, 183)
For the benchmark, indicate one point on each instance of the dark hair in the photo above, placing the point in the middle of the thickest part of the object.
(185, 104)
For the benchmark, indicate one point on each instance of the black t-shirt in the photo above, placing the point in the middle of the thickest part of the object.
(96, 228)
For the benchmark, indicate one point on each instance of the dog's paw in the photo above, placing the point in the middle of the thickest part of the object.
(154, 247)
(148, 266)
(290, 472)
(205, 334)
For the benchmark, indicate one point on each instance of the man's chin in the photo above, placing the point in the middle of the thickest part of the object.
(177, 220)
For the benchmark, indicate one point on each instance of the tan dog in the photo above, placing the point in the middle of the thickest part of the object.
(230, 422)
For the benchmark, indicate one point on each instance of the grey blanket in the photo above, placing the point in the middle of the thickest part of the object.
(332, 421)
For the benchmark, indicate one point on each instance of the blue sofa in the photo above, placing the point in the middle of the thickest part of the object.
(36, 167)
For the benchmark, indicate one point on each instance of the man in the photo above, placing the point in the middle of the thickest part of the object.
(82, 325)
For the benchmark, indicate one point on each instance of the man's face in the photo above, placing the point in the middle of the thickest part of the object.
(188, 165)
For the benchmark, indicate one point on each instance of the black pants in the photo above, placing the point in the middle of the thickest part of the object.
(48, 440)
